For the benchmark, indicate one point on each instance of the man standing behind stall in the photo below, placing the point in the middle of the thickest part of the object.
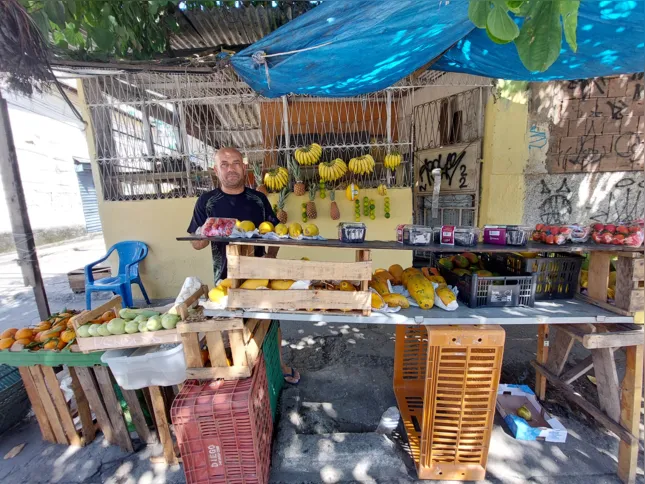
(234, 200)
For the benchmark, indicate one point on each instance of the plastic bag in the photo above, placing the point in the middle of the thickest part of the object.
(453, 305)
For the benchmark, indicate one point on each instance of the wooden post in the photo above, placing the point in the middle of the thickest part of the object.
(630, 406)
(23, 236)
(158, 407)
(541, 358)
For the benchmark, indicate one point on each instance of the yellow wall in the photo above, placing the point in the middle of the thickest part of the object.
(504, 160)
(169, 262)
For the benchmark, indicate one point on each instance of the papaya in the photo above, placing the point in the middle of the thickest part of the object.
(484, 273)
(276, 284)
(445, 294)
(410, 271)
(254, 283)
(434, 271)
(437, 279)
(52, 333)
(397, 274)
(24, 333)
(461, 272)
(42, 326)
(377, 301)
(379, 286)
(421, 290)
(107, 316)
(23, 341)
(52, 344)
(9, 333)
(395, 300)
(346, 286)
(383, 275)
(61, 345)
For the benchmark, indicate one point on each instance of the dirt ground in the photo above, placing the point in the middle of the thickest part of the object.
(325, 430)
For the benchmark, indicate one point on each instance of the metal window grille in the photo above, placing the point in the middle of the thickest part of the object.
(156, 134)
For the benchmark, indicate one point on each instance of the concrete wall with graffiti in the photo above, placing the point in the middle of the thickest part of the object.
(586, 144)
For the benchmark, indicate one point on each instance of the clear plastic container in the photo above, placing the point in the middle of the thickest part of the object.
(507, 234)
(417, 235)
(351, 232)
(462, 236)
(218, 227)
(135, 368)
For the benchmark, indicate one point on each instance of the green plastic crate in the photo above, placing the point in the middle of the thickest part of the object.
(50, 358)
(275, 379)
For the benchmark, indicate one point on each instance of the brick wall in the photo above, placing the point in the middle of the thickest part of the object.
(598, 124)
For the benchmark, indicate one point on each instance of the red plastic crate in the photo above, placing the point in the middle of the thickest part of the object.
(224, 429)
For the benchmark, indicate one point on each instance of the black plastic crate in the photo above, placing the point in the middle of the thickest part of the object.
(495, 291)
(557, 275)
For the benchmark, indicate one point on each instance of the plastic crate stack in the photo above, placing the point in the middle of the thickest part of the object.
(445, 382)
(224, 429)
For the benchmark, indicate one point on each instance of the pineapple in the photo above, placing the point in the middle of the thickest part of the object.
(311, 205)
(333, 211)
(299, 186)
(282, 198)
(257, 174)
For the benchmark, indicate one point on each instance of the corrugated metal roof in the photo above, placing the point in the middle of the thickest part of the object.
(232, 26)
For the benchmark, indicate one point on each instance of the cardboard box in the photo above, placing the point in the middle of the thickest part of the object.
(542, 426)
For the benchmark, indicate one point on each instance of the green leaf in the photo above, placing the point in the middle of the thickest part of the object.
(42, 22)
(540, 39)
(103, 39)
(501, 25)
(478, 12)
(55, 10)
(514, 4)
(71, 6)
(495, 39)
(569, 11)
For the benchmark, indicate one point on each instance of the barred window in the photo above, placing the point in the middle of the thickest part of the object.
(156, 134)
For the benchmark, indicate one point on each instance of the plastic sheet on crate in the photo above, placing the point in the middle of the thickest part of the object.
(224, 429)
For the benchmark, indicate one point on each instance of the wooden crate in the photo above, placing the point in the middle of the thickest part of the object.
(244, 338)
(629, 299)
(242, 267)
(93, 393)
(136, 340)
(76, 278)
(445, 382)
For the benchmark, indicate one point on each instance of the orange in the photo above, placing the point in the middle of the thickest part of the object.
(59, 327)
(61, 344)
(24, 333)
(67, 336)
(23, 341)
(8, 333)
(6, 343)
(107, 316)
(51, 344)
(44, 326)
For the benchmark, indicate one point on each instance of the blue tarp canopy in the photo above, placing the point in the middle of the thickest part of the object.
(351, 47)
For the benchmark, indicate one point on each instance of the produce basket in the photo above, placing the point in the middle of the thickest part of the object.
(224, 429)
(14, 402)
(130, 340)
(556, 274)
(491, 291)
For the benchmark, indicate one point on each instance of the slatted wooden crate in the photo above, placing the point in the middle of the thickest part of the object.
(445, 382)
(93, 394)
(135, 340)
(243, 338)
(629, 299)
(242, 267)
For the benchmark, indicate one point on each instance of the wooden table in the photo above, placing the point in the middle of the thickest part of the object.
(606, 327)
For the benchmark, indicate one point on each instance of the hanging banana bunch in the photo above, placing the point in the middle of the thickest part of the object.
(362, 165)
(332, 170)
(393, 160)
(276, 179)
(308, 155)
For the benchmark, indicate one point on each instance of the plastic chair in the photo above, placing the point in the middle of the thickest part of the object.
(131, 252)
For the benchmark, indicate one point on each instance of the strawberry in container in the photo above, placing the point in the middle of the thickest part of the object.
(551, 234)
(218, 227)
(630, 234)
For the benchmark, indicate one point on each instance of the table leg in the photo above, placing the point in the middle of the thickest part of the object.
(163, 428)
(630, 407)
(542, 356)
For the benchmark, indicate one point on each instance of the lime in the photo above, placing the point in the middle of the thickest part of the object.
(372, 216)
(387, 215)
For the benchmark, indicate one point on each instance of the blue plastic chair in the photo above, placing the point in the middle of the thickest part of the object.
(131, 252)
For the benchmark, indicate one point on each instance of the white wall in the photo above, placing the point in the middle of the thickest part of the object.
(47, 137)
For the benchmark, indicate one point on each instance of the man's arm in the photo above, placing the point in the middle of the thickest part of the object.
(199, 218)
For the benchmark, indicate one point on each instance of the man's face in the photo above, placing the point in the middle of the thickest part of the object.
(230, 169)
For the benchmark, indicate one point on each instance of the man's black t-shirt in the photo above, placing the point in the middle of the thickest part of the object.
(248, 205)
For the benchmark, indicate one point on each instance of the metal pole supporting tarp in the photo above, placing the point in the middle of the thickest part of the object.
(22, 234)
